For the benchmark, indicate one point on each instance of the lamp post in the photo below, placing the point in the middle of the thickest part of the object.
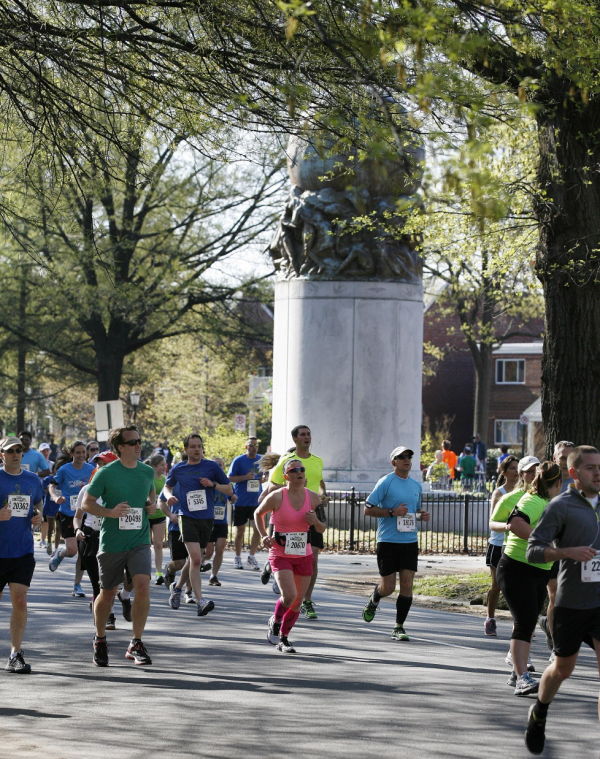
(134, 399)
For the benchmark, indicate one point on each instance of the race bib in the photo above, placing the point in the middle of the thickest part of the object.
(19, 505)
(72, 502)
(406, 523)
(590, 570)
(93, 522)
(196, 500)
(295, 543)
(220, 512)
(252, 486)
(132, 520)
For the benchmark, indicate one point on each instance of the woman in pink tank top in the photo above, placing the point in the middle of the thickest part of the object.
(292, 511)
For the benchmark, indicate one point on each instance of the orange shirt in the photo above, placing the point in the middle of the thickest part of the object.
(450, 459)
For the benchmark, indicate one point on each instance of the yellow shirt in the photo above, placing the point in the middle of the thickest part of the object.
(314, 470)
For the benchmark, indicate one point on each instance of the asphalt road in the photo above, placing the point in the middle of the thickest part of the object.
(218, 689)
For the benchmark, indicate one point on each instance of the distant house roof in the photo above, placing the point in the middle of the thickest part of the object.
(511, 349)
(534, 412)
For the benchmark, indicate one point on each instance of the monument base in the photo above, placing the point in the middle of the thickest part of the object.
(347, 363)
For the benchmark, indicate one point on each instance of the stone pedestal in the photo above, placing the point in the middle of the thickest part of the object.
(347, 363)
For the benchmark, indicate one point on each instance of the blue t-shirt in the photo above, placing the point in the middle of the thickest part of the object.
(220, 505)
(70, 481)
(22, 492)
(50, 506)
(162, 499)
(195, 500)
(34, 461)
(240, 466)
(389, 492)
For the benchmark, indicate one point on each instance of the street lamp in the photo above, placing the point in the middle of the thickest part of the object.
(134, 399)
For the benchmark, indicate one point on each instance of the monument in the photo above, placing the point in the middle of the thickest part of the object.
(348, 335)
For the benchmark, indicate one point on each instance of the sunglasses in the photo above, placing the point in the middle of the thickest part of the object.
(295, 469)
(14, 450)
(132, 443)
(91, 448)
(404, 456)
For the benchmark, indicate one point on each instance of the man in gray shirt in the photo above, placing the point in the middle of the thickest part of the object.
(569, 531)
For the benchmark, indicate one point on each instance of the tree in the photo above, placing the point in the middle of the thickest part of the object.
(125, 247)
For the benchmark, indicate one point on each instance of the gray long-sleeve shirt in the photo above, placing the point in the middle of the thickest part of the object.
(569, 520)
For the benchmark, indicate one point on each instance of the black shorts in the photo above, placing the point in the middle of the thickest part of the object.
(394, 557)
(315, 538)
(218, 531)
(178, 552)
(195, 530)
(243, 514)
(158, 520)
(66, 525)
(19, 570)
(493, 555)
(572, 627)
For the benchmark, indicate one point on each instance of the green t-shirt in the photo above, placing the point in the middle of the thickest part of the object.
(115, 483)
(503, 509)
(159, 483)
(312, 464)
(532, 506)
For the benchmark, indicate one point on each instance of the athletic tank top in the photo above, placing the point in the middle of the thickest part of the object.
(287, 519)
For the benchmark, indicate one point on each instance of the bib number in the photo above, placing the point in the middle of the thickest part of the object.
(590, 570)
(19, 505)
(132, 520)
(252, 486)
(407, 523)
(220, 512)
(295, 543)
(196, 500)
(72, 502)
(93, 522)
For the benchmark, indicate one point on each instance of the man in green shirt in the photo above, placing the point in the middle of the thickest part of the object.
(122, 493)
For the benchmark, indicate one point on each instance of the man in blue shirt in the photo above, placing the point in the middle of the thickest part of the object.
(33, 460)
(247, 487)
(396, 502)
(198, 478)
(21, 498)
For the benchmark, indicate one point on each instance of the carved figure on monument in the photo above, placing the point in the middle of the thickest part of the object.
(340, 216)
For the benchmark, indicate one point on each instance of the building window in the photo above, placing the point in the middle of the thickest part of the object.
(510, 371)
(507, 431)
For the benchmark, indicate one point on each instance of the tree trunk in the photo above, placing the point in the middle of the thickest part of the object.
(109, 364)
(483, 379)
(568, 265)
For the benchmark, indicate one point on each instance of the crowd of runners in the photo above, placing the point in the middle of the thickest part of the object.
(113, 513)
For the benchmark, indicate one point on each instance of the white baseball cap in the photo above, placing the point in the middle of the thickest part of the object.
(526, 463)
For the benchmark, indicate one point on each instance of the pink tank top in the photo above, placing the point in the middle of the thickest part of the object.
(287, 519)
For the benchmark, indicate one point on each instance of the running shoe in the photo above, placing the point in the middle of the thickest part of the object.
(159, 579)
(169, 578)
(543, 623)
(43, 544)
(307, 608)
(214, 580)
(54, 562)
(526, 684)
(49, 549)
(273, 630)
(512, 680)
(535, 735)
(204, 607)
(189, 597)
(237, 562)
(175, 597)
(398, 633)
(126, 604)
(275, 587)
(368, 613)
(16, 663)
(100, 652)
(489, 627)
(285, 646)
(265, 575)
(251, 563)
(78, 591)
(111, 622)
(137, 653)
(205, 566)
(509, 661)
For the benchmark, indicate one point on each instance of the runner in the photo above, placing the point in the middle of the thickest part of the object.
(21, 499)
(70, 478)
(571, 524)
(50, 528)
(198, 478)
(218, 538)
(396, 503)
(158, 519)
(290, 552)
(33, 460)
(126, 488)
(244, 473)
(508, 477)
(522, 583)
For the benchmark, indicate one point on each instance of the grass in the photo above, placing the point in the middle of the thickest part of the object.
(471, 588)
